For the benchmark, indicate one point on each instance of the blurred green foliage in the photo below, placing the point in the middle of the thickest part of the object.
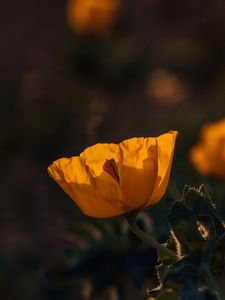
(101, 255)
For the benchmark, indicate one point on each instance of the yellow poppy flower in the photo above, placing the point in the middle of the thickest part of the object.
(108, 180)
(91, 16)
(208, 155)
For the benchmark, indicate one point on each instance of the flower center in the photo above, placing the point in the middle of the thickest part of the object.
(111, 168)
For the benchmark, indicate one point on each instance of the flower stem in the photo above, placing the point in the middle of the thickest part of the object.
(163, 251)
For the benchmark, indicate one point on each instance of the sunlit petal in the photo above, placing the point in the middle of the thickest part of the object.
(108, 180)
(165, 151)
(96, 196)
(138, 167)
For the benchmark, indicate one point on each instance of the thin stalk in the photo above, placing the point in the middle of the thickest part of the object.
(163, 251)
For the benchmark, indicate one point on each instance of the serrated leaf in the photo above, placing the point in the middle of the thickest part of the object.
(174, 244)
(184, 272)
(200, 201)
(206, 226)
(160, 271)
(184, 224)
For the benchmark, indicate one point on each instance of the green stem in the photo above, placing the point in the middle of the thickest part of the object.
(163, 251)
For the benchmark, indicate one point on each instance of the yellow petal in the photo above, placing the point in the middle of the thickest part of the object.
(83, 179)
(165, 150)
(107, 180)
(138, 170)
(95, 156)
(96, 196)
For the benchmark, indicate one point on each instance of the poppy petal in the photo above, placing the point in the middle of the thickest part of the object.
(165, 151)
(98, 195)
(138, 167)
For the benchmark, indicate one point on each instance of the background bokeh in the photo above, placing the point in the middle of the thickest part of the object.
(161, 67)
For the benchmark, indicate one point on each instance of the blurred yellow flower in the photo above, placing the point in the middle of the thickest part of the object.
(92, 16)
(108, 180)
(208, 156)
(166, 88)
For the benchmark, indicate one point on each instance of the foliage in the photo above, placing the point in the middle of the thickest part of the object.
(198, 234)
(100, 255)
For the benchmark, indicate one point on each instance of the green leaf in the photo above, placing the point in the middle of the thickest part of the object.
(199, 200)
(182, 273)
(185, 226)
(160, 271)
(206, 226)
(174, 244)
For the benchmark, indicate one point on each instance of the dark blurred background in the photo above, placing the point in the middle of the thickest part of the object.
(161, 67)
